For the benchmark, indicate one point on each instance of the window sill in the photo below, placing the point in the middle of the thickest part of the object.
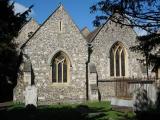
(60, 84)
(118, 77)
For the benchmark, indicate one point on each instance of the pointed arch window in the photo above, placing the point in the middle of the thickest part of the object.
(118, 60)
(60, 68)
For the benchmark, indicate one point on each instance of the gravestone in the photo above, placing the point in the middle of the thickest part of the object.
(144, 98)
(31, 95)
(93, 88)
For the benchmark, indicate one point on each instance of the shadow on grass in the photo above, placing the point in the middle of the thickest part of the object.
(79, 112)
(148, 115)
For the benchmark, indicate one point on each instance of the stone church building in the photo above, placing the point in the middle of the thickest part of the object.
(69, 65)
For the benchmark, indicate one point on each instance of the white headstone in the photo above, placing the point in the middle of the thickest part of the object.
(31, 95)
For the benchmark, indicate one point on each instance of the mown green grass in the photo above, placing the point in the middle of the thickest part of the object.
(16, 105)
(85, 111)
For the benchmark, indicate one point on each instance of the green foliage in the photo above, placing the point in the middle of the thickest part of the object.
(145, 109)
(16, 105)
(10, 22)
(144, 14)
(10, 25)
(85, 111)
(139, 13)
(143, 102)
(146, 45)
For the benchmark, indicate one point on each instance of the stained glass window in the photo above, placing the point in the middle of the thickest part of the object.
(112, 63)
(60, 68)
(117, 60)
(117, 64)
(123, 63)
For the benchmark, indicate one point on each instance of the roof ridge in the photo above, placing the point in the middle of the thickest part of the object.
(24, 44)
(94, 33)
(100, 28)
(85, 27)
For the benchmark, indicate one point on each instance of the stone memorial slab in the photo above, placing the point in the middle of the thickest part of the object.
(31, 95)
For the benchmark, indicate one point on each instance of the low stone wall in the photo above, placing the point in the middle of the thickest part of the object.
(61, 94)
(106, 90)
(18, 92)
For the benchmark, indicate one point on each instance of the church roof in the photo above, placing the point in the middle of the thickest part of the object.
(27, 29)
(85, 32)
(93, 34)
(90, 38)
(60, 6)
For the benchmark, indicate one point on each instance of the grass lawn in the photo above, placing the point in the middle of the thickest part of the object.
(86, 111)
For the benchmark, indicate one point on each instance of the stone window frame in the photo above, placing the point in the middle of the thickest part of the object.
(69, 68)
(118, 47)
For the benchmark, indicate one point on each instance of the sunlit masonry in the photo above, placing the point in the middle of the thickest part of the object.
(63, 64)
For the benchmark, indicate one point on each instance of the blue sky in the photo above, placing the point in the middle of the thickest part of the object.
(77, 9)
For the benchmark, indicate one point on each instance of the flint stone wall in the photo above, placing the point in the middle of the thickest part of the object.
(106, 38)
(49, 40)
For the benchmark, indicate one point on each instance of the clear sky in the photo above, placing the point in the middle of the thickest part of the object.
(77, 9)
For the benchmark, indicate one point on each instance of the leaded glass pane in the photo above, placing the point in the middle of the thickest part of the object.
(123, 63)
(53, 72)
(117, 64)
(59, 68)
(60, 72)
(65, 72)
(111, 63)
